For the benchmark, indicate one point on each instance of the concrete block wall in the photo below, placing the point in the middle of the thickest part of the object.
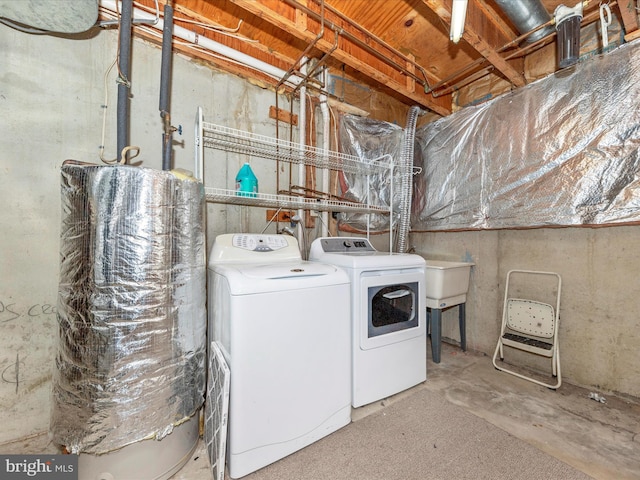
(600, 302)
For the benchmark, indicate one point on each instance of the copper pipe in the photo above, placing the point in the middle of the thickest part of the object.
(463, 82)
(364, 46)
(306, 50)
(381, 42)
(453, 76)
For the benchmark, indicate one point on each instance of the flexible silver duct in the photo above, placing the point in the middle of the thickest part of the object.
(406, 172)
(527, 15)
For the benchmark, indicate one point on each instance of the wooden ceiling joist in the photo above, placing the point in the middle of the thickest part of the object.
(376, 61)
(400, 47)
(629, 16)
(486, 41)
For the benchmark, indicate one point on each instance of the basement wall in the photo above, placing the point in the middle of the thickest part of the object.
(600, 304)
(51, 94)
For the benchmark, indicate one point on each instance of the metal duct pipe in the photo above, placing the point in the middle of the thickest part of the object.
(302, 169)
(124, 84)
(527, 15)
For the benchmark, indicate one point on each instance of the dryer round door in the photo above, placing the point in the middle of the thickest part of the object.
(391, 308)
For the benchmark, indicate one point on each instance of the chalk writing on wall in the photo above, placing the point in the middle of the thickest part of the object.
(11, 311)
(11, 374)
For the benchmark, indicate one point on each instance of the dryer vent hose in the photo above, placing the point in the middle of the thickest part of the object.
(406, 176)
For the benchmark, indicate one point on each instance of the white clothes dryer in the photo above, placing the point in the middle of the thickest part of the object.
(388, 315)
(284, 329)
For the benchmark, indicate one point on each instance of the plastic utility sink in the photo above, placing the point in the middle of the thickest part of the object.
(446, 283)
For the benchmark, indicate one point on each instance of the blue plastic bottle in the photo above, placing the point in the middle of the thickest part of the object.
(246, 182)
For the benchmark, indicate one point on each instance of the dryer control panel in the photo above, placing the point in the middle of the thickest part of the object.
(346, 245)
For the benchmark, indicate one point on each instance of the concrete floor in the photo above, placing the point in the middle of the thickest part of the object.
(600, 439)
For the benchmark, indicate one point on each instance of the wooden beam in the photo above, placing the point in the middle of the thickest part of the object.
(347, 51)
(632, 36)
(629, 16)
(283, 115)
(480, 34)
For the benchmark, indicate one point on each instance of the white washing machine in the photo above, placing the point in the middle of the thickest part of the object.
(388, 316)
(284, 329)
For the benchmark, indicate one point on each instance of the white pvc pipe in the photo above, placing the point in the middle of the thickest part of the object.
(302, 131)
(208, 44)
(326, 144)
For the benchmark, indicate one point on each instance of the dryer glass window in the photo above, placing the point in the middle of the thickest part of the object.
(392, 308)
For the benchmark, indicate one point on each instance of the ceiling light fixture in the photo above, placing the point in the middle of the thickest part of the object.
(458, 14)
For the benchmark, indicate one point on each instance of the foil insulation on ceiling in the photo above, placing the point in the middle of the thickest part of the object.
(562, 151)
(130, 362)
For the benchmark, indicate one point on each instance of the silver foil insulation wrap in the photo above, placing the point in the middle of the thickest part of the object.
(131, 352)
(370, 140)
(562, 151)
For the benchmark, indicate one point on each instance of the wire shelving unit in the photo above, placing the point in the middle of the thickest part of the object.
(212, 136)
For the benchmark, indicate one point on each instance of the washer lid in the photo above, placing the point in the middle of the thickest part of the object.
(370, 261)
(285, 271)
(247, 278)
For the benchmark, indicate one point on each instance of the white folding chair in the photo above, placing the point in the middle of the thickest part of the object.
(530, 326)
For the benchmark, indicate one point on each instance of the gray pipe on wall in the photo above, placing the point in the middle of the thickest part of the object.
(165, 86)
(124, 83)
(527, 15)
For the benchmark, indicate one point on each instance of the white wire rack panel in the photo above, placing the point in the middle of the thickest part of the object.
(219, 195)
(209, 135)
(216, 411)
(238, 141)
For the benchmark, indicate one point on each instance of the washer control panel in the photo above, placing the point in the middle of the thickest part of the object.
(259, 243)
(253, 248)
(346, 245)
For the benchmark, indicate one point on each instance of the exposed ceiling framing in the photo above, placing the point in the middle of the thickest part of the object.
(399, 46)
